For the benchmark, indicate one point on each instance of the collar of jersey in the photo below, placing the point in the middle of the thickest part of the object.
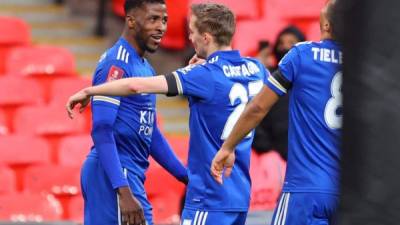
(231, 54)
(131, 49)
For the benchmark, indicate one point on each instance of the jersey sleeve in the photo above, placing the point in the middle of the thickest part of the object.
(281, 80)
(109, 71)
(194, 80)
(104, 113)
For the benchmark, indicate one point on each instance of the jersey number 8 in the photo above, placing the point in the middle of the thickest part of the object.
(332, 118)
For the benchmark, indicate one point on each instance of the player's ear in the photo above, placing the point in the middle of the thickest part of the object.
(207, 37)
(130, 21)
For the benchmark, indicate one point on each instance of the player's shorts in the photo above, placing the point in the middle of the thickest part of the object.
(200, 217)
(305, 209)
(101, 203)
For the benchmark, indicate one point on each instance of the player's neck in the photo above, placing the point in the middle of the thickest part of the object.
(215, 48)
(132, 42)
(326, 36)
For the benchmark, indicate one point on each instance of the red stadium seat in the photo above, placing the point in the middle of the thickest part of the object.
(19, 150)
(29, 208)
(61, 181)
(314, 32)
(118, 7)
(249, 9)
(296, 8)
(255, 31)
(267, 172)
(41, 61)
(75, 209)
(48, 121)
(17, 91)
(180, 145)
(4, 125)
(74, 149)
(14, 32)
(7, 180)
(165, 200)
(62, 88)
(176, 36)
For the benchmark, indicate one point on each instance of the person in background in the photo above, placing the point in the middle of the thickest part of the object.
(265, 54)
(272, 132)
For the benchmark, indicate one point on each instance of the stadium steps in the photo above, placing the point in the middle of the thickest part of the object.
(53, 24)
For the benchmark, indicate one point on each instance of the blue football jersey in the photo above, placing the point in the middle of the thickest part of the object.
(218, 91)
(134, 123)
(315, 115)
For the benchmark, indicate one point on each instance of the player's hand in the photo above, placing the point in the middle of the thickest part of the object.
(78, 98)
(222, 164)
(196, 60)
(131, 210)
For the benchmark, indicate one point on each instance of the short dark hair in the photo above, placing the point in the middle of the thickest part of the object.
(263, 44)
(133, 4)
(216, 19)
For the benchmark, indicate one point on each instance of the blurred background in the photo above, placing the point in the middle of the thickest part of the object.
(49, 49)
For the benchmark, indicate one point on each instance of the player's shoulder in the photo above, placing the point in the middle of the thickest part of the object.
(194, 68)
(117, 54)
(305, 45)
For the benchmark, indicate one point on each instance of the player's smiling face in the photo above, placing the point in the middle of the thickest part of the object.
(196, 38)
(150, 26)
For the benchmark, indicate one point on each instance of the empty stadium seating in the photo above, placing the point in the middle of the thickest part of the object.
(14, 32)
(4, 125)
(40, 61)
(17, 91)
(20, 150)
(74, 149)
(267, 173)
(256, 30)
(47, 120)
(314, 32)
(7, 180)
(180, 145)
(296, 8)
(75, 209)
(176, 35)
(62, 88)
(118, 7)
(243, 10)
(165, 200)
(62, 180)
(33, 208)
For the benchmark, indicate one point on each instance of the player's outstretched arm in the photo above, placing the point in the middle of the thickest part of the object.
(162, 152)
(250, 118)
(121, 87)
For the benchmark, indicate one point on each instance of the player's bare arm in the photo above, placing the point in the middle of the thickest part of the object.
(121, 87)
(250, 118)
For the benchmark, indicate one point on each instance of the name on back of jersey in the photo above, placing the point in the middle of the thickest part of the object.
(246, 69)
(146, 122)
(327, 55)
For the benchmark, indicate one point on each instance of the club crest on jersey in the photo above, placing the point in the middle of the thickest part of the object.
(115, 73)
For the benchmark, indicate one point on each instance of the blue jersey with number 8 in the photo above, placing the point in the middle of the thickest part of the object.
(313, 70)
(218, 92)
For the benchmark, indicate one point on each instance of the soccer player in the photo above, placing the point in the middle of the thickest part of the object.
(124, 129)
(311, 74)
(218, 91)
